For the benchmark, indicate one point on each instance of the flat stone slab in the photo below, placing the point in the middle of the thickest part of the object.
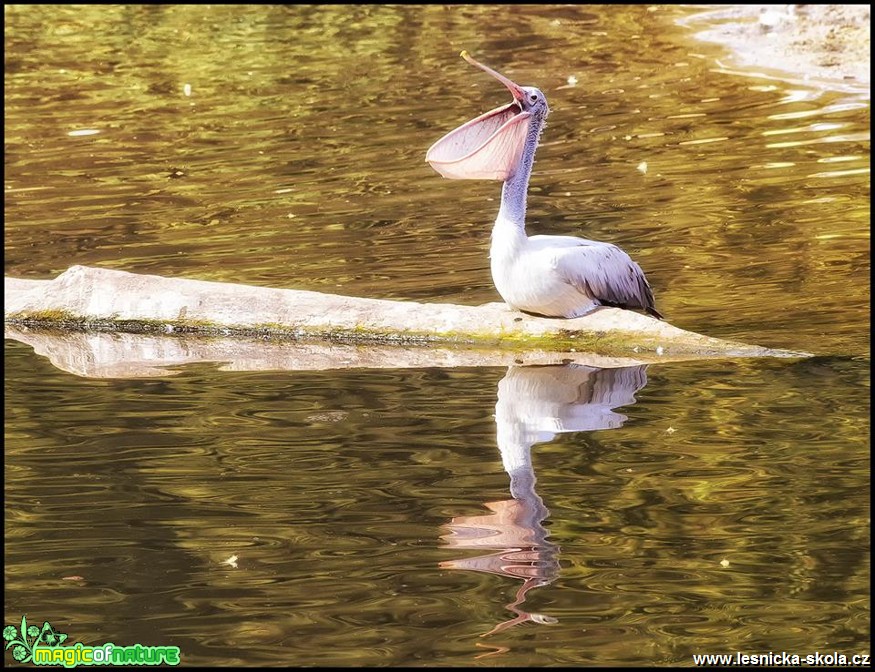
(97, 300)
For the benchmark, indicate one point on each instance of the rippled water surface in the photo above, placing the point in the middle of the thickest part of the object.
(390, 516)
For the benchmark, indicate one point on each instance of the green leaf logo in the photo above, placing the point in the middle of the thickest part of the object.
(23, 642)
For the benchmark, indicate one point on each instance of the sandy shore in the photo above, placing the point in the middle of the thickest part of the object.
(827, 42)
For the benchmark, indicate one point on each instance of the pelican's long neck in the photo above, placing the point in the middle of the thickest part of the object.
(512, 213)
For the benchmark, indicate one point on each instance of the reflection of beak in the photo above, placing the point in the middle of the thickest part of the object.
(488, 147)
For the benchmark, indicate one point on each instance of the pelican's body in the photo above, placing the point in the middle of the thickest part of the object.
(556, 276)
(561, 276)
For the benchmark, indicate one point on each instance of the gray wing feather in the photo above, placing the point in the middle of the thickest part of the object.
(603, 271)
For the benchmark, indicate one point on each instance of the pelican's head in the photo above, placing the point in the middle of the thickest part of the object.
(490, 146)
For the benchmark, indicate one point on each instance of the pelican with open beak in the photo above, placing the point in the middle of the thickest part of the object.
(555, 276)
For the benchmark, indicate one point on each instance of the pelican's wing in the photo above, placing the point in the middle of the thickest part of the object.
(603, 271)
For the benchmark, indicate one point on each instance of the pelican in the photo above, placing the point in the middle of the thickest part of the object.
(554, 276)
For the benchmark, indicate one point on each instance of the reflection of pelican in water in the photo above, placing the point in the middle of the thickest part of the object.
(535, 404)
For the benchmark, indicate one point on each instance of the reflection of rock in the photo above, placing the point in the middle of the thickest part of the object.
(534, 404)
(118, 355)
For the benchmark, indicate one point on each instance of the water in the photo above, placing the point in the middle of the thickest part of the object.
(365, 517)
